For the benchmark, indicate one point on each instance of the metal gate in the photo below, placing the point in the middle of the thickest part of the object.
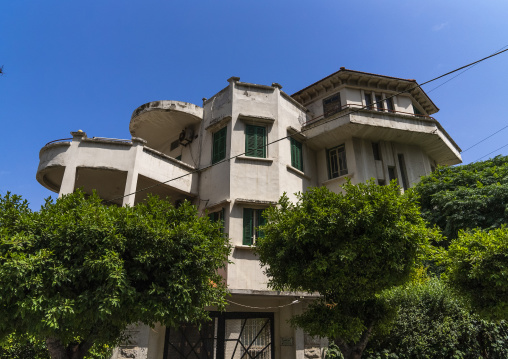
(227, 336)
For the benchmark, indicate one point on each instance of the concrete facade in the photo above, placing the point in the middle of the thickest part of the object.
(348, 125)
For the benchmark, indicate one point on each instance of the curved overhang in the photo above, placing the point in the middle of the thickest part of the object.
(161, 121)
(426, 133)
(103, 165)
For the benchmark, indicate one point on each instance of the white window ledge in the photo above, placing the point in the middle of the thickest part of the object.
(260, 159)
(297, 172)
(336, 179)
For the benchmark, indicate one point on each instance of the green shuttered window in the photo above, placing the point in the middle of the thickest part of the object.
(219, 145)
(296, 154)
(252, 220)
(218, 216)
(255, 141)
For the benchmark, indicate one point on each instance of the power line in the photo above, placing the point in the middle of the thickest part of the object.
(486, 138)
(492, 152)
(302, 131)
(249, 306)
(460, 73)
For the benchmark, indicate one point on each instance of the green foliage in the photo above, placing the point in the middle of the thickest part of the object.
(333, 352)
(79, 269)
(348, 247)
(466, 197)
(22, 347)
(432, 323)
(477, 267)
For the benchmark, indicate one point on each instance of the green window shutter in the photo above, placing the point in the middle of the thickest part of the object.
(296, 154)
(250, 140)
(260, 142)
(255, 141)
(248, 226)
(261, 222)
(219, 145)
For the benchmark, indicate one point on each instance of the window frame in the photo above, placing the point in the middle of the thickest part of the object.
(341, 159)
(332, 104)
(253, 135)
(219, 145)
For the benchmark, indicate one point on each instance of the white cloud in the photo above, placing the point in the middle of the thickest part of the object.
(440, 26)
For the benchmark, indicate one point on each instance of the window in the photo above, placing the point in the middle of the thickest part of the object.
(296, 154)
(389, 104)
(403, 173)
(375, 151)
(416, 110)
(219, 145)
(217, 216)
(368, 100)
(331, 105)
(391, 173)
(336, 158)
(255, 141)
(379, 103)
(252, 219)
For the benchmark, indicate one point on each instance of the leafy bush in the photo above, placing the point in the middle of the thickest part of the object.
(432, 323)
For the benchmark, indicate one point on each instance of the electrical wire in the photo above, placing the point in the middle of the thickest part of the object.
(279, 306)
(460, 73)
(486, 138)
(492, 152)
(302, 131)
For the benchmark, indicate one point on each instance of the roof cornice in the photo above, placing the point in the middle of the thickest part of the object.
(374, 82)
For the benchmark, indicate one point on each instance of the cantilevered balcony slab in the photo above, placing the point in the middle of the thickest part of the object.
(161, 121)
(425, 132)
(113, 168)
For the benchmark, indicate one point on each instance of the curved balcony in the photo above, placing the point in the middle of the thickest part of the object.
(114, 168)
(160, 121)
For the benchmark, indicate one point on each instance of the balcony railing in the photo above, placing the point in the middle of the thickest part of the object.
(357, 107)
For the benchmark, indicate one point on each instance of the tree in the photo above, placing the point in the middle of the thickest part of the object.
(466, 197)
(348, 247)
(477, 267)
(432, 322)
(77, 272)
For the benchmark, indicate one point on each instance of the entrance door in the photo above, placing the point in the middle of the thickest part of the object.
(228, 336)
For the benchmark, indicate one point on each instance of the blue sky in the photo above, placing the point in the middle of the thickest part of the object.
(87, 65)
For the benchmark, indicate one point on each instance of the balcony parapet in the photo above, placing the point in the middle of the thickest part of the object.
(356, 121)
(111, 155)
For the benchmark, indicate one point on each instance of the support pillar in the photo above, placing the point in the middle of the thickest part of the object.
(69, 177)
(132, 176)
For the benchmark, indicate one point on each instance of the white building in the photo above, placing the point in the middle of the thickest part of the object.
(225, 158)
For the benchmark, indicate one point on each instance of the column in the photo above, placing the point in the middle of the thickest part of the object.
(69, 177)
(132, 176)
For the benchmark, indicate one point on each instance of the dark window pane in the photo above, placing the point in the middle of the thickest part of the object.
(368, 101)
(379, 103)
(331, 105)
(389, 104)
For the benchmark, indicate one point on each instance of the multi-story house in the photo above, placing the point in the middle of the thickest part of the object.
(236, 155)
